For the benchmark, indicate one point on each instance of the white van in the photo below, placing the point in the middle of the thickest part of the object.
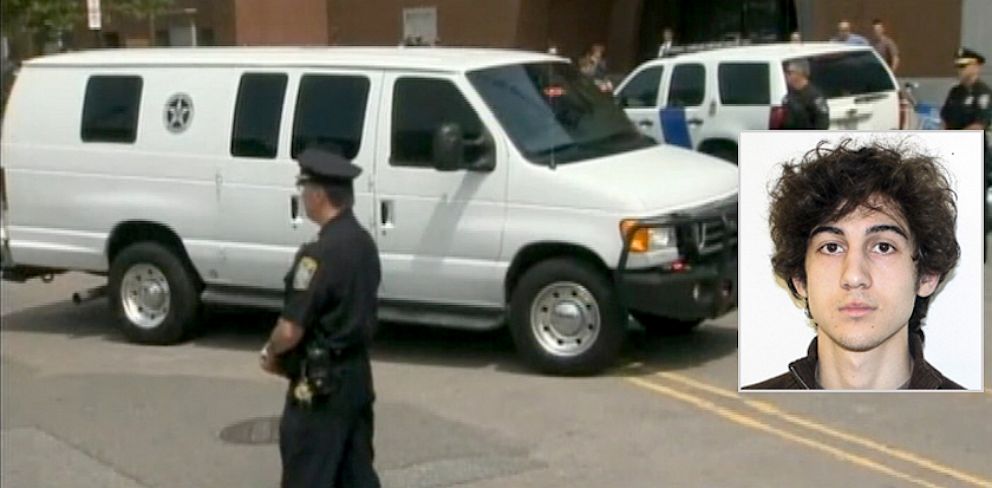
(704, 100)
(498, 186)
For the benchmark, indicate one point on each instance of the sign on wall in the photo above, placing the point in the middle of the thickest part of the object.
(420, 24)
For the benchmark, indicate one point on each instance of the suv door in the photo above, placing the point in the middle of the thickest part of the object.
(440, 232)
(859, 87)
(685, 112)
(638, 97)
(264, 220)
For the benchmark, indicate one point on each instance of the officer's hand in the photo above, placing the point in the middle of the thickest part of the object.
(269, 362)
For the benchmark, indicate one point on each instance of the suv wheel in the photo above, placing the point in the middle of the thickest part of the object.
(565, 318)
(154, 294)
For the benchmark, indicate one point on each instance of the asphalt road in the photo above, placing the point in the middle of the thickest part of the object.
(83, 408)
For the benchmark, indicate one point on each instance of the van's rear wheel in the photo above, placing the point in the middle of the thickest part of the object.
(565, 318)
(154, 294)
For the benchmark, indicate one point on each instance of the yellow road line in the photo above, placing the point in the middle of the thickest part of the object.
(774, 411)
(750, 422)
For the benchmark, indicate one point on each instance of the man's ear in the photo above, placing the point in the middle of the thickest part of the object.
(927, 285)
(800, 285)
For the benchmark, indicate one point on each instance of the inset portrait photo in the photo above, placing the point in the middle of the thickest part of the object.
(861, 260)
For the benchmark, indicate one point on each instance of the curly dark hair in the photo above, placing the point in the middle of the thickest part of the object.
(831, 182)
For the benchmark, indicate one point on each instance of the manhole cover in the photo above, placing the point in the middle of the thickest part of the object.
(263, 430)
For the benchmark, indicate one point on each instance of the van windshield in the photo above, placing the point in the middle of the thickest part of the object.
(847, 74)
(554, 114)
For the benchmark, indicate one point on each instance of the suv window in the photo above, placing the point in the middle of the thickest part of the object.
(848, 73)
(420, 107)
(688, 86)
(642, 90)
(110, 109)
(257, 115)
(330, 112)
(744, 84)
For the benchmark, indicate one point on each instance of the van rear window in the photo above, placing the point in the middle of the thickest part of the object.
(257, 115)
(848, 74)
(110, 109)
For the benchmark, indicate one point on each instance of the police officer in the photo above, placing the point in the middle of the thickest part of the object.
(805, 107)
(968, 104)
(320, 342)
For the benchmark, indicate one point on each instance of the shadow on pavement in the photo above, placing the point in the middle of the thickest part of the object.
(246, 329)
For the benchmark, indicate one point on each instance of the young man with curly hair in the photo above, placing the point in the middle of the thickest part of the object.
(863, 237)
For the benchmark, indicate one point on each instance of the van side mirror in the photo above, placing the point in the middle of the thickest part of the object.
(449, 149)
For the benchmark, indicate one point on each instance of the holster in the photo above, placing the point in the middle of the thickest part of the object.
(320, 370)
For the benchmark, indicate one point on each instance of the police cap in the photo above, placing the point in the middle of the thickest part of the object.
(967, 56)
(322, 166)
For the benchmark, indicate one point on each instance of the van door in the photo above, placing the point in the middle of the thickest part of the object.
(639, 99)
(686, 106)
(276, 116)
(440, 233)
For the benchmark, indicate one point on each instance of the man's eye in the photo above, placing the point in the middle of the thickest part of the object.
(885, 248)
(831, 248)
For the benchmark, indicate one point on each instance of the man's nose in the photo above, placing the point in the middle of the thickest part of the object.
(856, 272)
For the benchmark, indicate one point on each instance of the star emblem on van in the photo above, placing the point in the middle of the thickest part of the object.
(178, 113)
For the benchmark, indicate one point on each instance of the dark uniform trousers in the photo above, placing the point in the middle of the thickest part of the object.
(326, 447)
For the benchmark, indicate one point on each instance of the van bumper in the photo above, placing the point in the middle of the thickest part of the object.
(705, 290)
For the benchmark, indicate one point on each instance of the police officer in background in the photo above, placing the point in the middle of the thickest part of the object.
(321, 340)
(968, 104)
(805, 106)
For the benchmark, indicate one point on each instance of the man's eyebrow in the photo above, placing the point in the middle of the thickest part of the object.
(826, 228)
(887, 227)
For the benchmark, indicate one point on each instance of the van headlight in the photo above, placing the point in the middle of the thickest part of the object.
(647, 239)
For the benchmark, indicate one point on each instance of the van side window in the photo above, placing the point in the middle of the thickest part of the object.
(642, 90)
(420, 107)
(744, 84)
(688, 86)
(110, 109)
(257, 115)
(330, 112)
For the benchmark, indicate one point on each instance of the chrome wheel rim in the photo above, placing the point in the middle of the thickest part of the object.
(145, 296)
(565, 319)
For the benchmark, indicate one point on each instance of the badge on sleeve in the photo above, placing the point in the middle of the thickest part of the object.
(305, 270)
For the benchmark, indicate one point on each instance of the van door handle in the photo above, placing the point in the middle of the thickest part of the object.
(386, 213)
(294, 211)
(645, 123)
(694, 121)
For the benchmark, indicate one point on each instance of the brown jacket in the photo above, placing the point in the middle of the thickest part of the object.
(802, 373)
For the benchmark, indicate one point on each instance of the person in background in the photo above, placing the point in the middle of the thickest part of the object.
(805, 106)
(884, 44)
(845, 35)
(668, 42)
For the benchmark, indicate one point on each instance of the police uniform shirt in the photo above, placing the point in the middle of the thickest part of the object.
(806, 109)
(333, 286)
(966, 105)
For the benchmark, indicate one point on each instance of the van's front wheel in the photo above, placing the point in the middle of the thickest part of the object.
(565, 318)
(153, 293)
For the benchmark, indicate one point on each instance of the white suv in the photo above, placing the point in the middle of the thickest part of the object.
(704, 100)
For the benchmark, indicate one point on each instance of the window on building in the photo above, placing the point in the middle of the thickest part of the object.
(420, 107)
(330, 113)
(642, 91)
(744, 84)
(110, 109)
(205, 37)
(257, 115)
(688, 86)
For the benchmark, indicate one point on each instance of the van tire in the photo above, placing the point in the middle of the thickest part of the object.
(167, 275)
(724, 150)
(665, 326)
(574, 288)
